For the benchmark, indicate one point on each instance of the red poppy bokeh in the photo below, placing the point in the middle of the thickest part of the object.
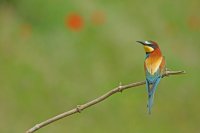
(98, 18)
(74, 21)
(25, 30)
(193, 22)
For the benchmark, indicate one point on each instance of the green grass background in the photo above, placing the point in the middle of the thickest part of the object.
(52, 69)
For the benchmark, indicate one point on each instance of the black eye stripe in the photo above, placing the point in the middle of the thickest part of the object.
(151, 45)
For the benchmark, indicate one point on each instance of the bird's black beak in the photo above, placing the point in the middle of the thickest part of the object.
(141, 42)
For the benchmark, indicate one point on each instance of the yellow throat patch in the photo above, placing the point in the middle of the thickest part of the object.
(148, 49)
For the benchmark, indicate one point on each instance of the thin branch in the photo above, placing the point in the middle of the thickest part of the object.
(80, 108)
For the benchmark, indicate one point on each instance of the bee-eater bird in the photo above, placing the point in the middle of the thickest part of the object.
(154, 66)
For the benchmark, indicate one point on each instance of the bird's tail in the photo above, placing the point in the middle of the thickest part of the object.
(151, 90)
(150, 102)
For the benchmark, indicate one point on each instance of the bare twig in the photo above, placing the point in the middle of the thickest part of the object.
(80, 108)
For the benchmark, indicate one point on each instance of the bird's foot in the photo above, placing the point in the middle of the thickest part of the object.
(168, 69)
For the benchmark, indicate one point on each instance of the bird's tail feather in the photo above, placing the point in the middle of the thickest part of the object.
(150, 103)
(151, 91)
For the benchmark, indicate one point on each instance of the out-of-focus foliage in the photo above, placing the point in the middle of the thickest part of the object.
(47, 68)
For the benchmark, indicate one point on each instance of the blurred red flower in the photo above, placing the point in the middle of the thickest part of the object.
(193, 22)
(74, 22)
(98, 18)
(25, 30)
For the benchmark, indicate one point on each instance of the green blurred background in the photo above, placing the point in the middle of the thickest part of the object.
(46, 68)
